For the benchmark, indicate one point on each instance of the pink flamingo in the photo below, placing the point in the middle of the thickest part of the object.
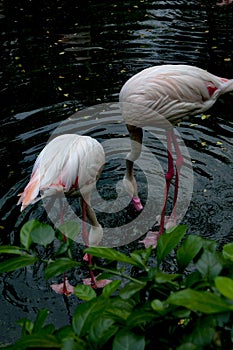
(69, 164)
(161, 96)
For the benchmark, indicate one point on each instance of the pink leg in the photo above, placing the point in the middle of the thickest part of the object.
(168, 177)
(179, 163)
(64, 289)
(85, 239)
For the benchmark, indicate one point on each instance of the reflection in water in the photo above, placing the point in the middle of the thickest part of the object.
(66, 56)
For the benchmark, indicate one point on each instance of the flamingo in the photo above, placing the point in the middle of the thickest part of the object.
(69, 164)
(162, 96)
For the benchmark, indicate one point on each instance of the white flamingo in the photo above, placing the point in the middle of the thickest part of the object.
(161, 96)
(69, 164)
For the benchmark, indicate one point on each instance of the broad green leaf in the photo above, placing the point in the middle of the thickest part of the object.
(101, 331)
(17, 263)
(110, 288)
(141, 256)
(127, 340)
(169, 240)
(189, 249)
(205, 302)
(141, 316)
(228, 251)
(203, 331)
(25, 232)
(40, 319)
(59, 266)
(84, 292)
(209, 265)
(43, 234)
(130, 289)
(163, 277)
(35, 340)
(120, 309)
(225, 286)
(70, 229)
(73, 344)
(110, 254)
(6, 249)
(81, 319)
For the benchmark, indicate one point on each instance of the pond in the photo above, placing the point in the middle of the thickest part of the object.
(61, 59)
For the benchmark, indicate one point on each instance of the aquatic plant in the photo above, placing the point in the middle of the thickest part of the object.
(188, 309)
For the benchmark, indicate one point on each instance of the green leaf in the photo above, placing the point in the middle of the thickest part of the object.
(73, 344)
(120, 309)
(70, 229)
(43, 234)
(169, 240)
(141, 256)
(84, 292)
(81, 319)
(225, 286)
(110, 288)
(209, 265)
(40, 319)
(27, 326)
(25, 232)
(189, 249)
(130, 289)
(111, 254)
(203, 331)
(101, 331)
(59, 266)
(228, 251)
(6, 249)
(141, 317)
(205, 302)
(35, 340)
(126, 340)
(163, 277)
(17, 263)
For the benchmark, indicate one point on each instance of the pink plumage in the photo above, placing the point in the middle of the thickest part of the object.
(169, 92)
(161, 96)
(69, 163)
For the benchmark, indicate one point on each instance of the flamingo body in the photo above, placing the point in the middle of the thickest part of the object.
(161, 96)
(169, 92)
(69, 163)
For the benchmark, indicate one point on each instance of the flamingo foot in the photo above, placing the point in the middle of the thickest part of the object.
(98, 283)
(86, 258)
(151, 239)
(137, 203)
(64, 288)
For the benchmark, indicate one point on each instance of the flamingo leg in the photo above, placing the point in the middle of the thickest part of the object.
(85, 239)
(168, 177)
(179, 163)
(136, 135)
(64, 289)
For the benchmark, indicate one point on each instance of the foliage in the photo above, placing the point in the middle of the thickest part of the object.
(189, 309)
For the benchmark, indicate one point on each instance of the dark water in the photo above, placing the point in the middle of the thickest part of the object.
(61, 57)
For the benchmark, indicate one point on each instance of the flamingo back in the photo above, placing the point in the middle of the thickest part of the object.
(169, 93)
(69, 163)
